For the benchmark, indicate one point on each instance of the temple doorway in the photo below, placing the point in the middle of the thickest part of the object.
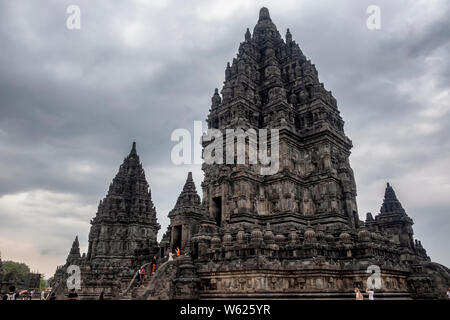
(176, 238)
(217, 210)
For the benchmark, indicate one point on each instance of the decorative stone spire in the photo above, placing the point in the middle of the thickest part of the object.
(391, 205)
(264, 14)
(189, 195)
(74, 253)
(216, 100)
(248, 35)
(129, 193)
(133, 149)
(188, 201)
(265, 29)
(288, 36)
(75, 246)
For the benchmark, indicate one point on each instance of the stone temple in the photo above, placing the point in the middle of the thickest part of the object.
(293, 234)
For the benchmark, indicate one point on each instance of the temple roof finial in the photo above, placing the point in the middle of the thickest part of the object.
(391, 204)
(288, 36)
(248, 35)
(133, 148)
(75, 242)
(264, 14)
(187, 198)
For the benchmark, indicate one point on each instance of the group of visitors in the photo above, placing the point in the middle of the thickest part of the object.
(141, 274)
(177, 253)
(370, 292)
(22, 295)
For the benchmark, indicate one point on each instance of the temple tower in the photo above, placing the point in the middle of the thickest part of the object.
(394, 220)
(126, 217)
(272, 85)
(185, 216)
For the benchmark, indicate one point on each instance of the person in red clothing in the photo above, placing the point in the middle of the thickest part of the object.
(178, 252)
(154, 264)
(142, 276)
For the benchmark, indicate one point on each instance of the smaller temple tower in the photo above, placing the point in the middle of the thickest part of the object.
(185, 217)
(394, 222)
(122, 236)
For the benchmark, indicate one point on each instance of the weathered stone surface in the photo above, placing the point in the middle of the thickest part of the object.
(121, 239)
(293, 234)
(297, 233)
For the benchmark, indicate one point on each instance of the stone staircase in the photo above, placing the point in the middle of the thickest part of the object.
(134, 291)
(137, 293)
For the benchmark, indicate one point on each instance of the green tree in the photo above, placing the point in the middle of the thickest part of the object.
(43, 284)
(14, 271)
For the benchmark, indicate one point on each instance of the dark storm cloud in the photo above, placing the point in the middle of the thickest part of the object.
(71, 103)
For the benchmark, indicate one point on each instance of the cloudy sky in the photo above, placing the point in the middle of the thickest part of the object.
(72, 102)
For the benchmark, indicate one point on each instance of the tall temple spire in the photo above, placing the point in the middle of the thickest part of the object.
(127, 202)
(391, 205)
(271, 85)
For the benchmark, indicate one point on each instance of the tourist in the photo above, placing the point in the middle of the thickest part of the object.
(153, 264)
(43, 294)
(142, 277)
(178, 252)
(448, 294)
(371, 293)
(11, 295)
(359, 295)
(138, 276)
(73, 295)
(102, 296)
(31, 294)
(170, 256)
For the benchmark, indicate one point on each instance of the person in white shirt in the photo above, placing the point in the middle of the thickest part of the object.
(448, 294)
(371, 293)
